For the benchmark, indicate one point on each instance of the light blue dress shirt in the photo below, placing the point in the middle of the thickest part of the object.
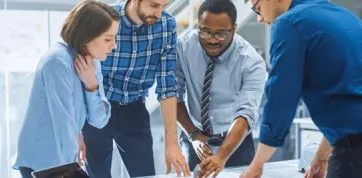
(237, 84)
(58, 108)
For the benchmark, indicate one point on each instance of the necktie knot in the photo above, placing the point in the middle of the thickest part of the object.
(214, 60)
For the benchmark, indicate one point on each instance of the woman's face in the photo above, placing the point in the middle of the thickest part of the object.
(100, 47)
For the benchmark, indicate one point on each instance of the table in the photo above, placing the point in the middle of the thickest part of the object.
(281, 169)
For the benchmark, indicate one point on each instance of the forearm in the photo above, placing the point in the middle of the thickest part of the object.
(263, 154)
(237, 133)
(324, 150)
(184, 119)
(168, 109)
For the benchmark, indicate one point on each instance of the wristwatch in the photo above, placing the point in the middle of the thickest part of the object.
(193, 133)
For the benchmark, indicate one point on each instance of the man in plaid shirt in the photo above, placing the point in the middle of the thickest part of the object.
(145, 53)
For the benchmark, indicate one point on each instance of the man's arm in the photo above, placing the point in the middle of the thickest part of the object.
(237, 133)
(283, 90)
(184, 119)
(167, 92)
(245, 107)
(247, 104)
(173, 154)
(318, 167)
(168, 109)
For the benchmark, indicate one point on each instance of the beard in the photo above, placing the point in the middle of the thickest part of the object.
(148, 20)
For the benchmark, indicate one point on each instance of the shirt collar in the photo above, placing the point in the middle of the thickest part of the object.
(227, 53)
(126, 19)
(297, 2)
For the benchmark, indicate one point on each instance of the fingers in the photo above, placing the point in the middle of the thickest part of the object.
(203, 152)
(180, 166)
(308, 173)
(177, 167)
(204, 164)
(77, 66)
(84, 153)
(185, 167)
(206, 149)
(202, 155)
(85, 63)
(216, 172)
(207, 172)
(210, 171)
(168, 164)
(80, 158)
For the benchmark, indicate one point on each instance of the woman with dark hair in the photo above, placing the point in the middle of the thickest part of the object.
(67, 90)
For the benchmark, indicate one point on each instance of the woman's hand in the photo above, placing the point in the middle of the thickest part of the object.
(86, 70)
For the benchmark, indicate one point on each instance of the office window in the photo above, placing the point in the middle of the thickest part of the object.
(56, 20)
(2, 126)
(24, 38)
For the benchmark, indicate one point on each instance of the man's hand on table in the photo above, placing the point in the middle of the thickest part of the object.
(317, 169)
(212, 165)
(252, 172)
(198, 141)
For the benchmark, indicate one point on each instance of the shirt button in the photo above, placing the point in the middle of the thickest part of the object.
(211, 117)
(210, 98)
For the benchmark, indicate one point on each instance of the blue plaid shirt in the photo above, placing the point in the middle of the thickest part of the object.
(143, 54)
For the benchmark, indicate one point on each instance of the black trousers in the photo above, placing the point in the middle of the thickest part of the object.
(129, 126)
(243, 154)
(346, 159)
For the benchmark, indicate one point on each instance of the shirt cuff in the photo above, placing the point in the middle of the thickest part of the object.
(268, 138)
(165, 95)
(92, 95)
(249, 118)
(180, 98)
(95, 103)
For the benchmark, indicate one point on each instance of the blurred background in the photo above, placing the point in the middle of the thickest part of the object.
(29, 27)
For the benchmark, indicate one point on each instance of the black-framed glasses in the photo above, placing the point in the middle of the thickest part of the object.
(220, 36)
(255, 9)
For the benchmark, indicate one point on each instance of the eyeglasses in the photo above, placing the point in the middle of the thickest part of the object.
(255, 9)
(220, 36)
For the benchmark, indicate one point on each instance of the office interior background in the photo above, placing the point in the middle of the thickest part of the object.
(29, 27)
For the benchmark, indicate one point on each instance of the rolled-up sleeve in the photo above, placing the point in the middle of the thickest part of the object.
(284, 85)
(166, 78)
(180, 76)
(98, 107)
(253, 81)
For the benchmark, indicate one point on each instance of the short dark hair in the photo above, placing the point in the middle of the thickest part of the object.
(218, 7)
(88, 20)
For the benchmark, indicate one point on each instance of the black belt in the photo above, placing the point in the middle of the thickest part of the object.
(350, 141)
(116, 103)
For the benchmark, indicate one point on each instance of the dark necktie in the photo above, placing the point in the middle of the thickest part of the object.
(205, 99)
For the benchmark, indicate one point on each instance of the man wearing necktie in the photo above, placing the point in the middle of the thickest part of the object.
(221, 78)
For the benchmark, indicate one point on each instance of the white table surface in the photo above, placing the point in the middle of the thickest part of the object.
(282, 169)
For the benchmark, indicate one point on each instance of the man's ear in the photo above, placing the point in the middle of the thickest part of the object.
(233, 29)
